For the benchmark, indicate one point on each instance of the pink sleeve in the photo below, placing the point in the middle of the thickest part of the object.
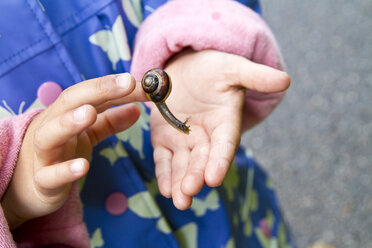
(59, 229)
(62, 228)
(12, 131)
(222, 25)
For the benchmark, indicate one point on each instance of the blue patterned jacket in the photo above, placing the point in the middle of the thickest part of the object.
(61, 41)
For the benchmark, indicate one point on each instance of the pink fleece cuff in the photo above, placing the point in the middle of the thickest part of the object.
(62, 228)
(222, 25)
(12, 131)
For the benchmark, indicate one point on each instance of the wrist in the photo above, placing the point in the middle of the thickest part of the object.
(13, 219)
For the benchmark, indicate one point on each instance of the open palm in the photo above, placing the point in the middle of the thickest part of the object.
(208, 89)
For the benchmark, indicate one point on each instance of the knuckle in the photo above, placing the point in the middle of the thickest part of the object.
(225, 146)
(162, 176)
(197, 171)
(225, 151)
(38, 141)
(203, 149)
(161, 161)
(161, 156)
(103, 85)
(64, 97)
(109, 125)
(40, 183)
(37, 181)
(232, 71)
(62, 122)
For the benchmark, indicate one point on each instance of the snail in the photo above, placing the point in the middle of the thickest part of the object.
(158, 85)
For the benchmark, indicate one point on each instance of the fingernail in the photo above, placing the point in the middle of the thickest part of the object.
(77, 167)
(124, 80)
(80, 113)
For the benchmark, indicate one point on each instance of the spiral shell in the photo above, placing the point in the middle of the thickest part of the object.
(157, 84)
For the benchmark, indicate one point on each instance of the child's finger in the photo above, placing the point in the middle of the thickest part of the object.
(180, 162)
(193, 180)
(163, 170)
(137, 95)
(51, 179)
(112, 121)
(57, 131)
(261, 78)
(97, 91)
(224, 141)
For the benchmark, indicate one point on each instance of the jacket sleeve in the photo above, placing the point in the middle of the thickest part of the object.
(12, 131)
(62, 228)
(222, 25)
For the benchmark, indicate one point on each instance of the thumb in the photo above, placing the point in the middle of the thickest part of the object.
(261, 78)
(51, 180)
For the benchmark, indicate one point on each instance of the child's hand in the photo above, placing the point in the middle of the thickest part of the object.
(60, 139)
(209, 88)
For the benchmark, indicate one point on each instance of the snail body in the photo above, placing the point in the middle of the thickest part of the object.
(158, 85)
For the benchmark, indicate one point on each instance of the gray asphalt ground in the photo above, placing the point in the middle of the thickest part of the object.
(317, 145)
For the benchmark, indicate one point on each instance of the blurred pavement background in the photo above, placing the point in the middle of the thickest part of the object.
(317, 145)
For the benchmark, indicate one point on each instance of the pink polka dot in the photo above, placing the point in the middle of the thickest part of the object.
(265, 228)
(216, 15)
(116, 203)
(48, 92)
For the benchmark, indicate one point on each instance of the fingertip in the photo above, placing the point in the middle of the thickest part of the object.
(86, 114)
(214, 174)
(182, 201)
(165, 192)
(275, 81)
(212, 181)
(163, 170)
(284, 80)
(262, 78)
(79, 167)
(126, 82)
(134, 109)
(223, 149)
(133, 89)
(165, 186)
(192, 184)
(52, 179)
(132, 114)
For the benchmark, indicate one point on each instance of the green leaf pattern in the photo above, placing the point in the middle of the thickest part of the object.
(113, 42)
(230, 243)
(96, 239)
(187, 235)
(113, 154)
(144, 205)
(133, 10)
(211, 202)
(231, 182)
(134, 134)
(162, 225)
(152, 187)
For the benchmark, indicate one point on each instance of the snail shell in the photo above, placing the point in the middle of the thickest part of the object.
(158, 85)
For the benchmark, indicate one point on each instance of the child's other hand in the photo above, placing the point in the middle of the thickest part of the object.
(60, 139)
(209, 88)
